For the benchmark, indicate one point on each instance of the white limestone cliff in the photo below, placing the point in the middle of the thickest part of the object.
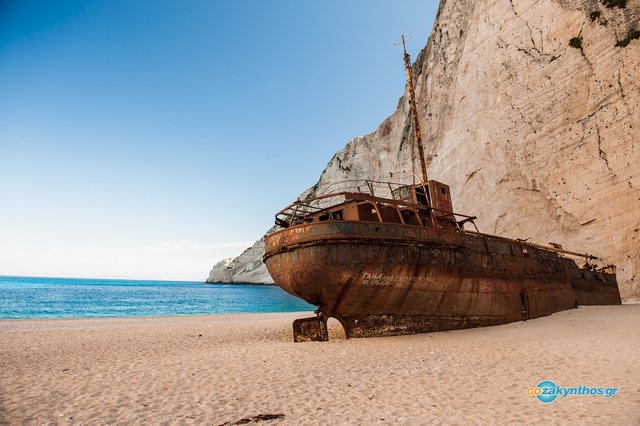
(246, 268)
(530, 111)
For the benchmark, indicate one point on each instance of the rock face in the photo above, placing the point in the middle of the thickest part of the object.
(530, 111)
(246, 268)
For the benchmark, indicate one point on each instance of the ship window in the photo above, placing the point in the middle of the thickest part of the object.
(389, 214)
(337, 215)
(420, 196)
(324, 217)
(443, 191)
(410, 217)
(367, 213)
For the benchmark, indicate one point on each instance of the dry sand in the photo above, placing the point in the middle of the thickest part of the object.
(225, 368)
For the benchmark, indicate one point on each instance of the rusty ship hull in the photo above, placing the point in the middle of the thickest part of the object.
(380, 279)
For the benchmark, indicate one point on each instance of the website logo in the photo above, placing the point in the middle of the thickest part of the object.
(547, 391)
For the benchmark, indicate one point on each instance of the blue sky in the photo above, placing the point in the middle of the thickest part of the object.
(149, 139)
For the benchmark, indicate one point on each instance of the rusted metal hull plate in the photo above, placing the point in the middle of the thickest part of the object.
(310, 330)
(384, 279)
(388, 325)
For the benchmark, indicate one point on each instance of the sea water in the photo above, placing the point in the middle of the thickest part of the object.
(30, 297)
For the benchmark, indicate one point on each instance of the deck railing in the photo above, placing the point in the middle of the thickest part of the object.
(376, 192)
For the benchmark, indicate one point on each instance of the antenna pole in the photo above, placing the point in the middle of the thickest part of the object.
(414, 111)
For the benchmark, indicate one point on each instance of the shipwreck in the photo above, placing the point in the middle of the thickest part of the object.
(389, 258)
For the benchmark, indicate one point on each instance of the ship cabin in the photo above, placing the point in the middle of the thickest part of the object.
(414, 205)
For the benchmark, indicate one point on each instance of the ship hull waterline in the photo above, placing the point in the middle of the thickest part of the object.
(387, 279)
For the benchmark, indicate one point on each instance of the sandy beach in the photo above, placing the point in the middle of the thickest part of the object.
(233, 369)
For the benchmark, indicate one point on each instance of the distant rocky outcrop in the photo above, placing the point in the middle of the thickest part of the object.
(530, 110)
(246, 268)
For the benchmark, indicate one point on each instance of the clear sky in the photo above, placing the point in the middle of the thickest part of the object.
(152, 138)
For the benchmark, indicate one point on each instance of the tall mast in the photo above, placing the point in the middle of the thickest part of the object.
(414, 112)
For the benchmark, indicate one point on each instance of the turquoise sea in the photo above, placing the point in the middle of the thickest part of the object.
(32, 297)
